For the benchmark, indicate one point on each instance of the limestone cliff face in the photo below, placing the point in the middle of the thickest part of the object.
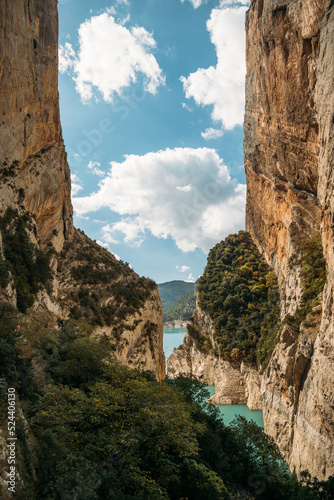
(289, 163)
(282, 132)
(33, 167)
(235, 383)
(35, 178)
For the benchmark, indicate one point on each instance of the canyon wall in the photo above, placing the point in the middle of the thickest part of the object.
(288, 161)
(34, 172)
(235, 383)
(35, 179)
(289, 138)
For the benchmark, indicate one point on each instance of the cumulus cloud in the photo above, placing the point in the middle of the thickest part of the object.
(212, 133)
(183, 269)
(196, 3)
(186, 194)
(103, 244)
(94, 167)
(222, 86)
(110, 58)
(66, 57)
(234, 3)
(75, 186)
(190, 279)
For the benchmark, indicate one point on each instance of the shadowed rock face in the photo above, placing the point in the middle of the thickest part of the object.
(289, 166)
(32, 153)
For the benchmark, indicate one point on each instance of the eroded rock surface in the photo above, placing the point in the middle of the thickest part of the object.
(34, 172)
(289, 163)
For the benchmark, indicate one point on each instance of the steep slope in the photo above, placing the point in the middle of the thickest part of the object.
(183, 309)
(39, 248)
(34, 171)
(289, 132)
(288, 157)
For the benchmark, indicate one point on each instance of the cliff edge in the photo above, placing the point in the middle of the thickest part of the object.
(41, 253)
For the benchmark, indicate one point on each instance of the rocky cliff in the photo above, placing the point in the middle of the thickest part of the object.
(289, 132)
(288, 160)
(235, 383)
(35, 204)
(34, 171)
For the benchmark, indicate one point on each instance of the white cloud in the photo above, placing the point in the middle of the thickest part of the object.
(185, 106)
(196, 3)
(223, 86)
(75, 186)
(212, 133)
(225, 3)
(185, 189)
(103, 244)
(190, 279)
(110, 58)
(132, 230)
(94, 167)
(66, 57)
(183, 269)
(144, 190)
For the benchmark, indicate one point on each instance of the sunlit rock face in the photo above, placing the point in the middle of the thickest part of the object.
(35, 176)
(33, 167)
(289, 161)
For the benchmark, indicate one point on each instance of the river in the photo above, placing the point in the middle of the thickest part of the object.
(173, 337)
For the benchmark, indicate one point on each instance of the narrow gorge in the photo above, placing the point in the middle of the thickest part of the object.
(288, 160)
(83, 381)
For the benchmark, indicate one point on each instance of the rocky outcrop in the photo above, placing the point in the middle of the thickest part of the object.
(33, 167)
(235, 382)
(110, 298)
(288, 159)
(35, 179)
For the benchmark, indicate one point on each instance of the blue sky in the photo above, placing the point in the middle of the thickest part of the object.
(152, 100)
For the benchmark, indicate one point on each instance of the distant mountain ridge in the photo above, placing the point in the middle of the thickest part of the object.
(183, 309)
(171, 291)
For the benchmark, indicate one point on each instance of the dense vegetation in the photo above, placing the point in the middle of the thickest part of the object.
(183, 309)
(239, 292)
(28, 266)
(108, 290)
(106, 432)
(171, 291)
(313, 273)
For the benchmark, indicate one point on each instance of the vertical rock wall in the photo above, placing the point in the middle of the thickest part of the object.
(34, 173)
(289, 162)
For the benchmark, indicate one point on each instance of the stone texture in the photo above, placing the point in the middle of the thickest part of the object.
(289, 165)
(235, 383)
(282, 133)
(34, 174)
(31, 144)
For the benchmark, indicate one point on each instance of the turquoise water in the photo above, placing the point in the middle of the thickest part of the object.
(230, 411)
(173, 337)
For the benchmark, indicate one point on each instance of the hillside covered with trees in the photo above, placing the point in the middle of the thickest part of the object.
(97, 430)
